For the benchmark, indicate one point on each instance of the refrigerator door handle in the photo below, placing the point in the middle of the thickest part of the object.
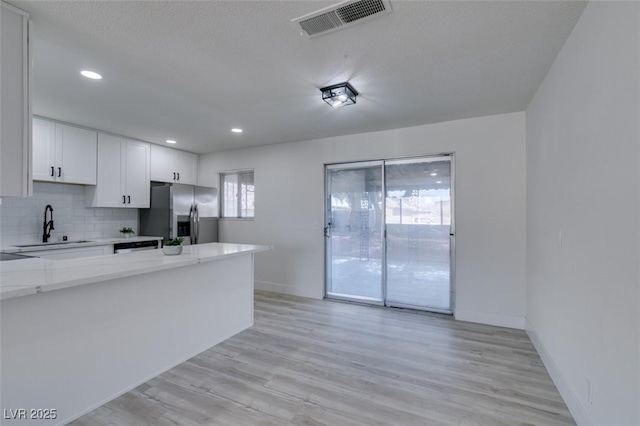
(196, 221)
(191, 224)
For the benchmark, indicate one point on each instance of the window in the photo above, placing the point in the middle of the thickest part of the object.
(238, 194)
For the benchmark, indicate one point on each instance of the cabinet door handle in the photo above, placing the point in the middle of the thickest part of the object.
(128, 199)
(124, 199)
(174, 175)
(59, 171)
(178, 175)
(53, 173)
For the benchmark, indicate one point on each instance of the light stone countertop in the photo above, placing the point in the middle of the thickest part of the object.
(31, 276)
(56, 245)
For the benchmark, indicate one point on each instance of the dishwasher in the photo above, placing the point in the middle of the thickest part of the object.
(128, 247)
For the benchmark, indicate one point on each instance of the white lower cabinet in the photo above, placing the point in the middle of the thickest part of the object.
(72, 253)
(123, 174)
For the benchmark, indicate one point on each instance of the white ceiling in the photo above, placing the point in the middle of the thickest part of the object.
(191, 71)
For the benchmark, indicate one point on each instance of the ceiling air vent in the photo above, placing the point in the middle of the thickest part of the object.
(341, 15)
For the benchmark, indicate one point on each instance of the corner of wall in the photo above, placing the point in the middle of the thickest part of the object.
(284, 289)
(490, 318)
(573, 404)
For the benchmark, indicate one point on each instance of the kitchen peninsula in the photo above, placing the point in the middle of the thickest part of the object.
(77, 333)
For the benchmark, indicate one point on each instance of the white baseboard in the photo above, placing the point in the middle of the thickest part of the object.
(573, 404)
(284, 289)
(489, 318)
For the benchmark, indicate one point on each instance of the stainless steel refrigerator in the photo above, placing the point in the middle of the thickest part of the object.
(178, 210)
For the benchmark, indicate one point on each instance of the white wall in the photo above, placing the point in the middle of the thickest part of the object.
(583, 166)
(490, 207)
(21, 218)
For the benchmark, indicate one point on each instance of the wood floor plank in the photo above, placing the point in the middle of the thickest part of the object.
(312, 362)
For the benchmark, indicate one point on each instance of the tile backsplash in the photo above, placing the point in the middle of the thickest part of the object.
(21, 218)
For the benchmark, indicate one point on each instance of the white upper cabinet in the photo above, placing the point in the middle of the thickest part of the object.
(186, 165)
(64, 153)
(44, 150)
(123, 174)
(137, 174)
(162, 169)
(172, 165)
(108, 191)
(15, 111)
(76, 151)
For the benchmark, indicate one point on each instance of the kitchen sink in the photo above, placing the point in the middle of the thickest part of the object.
(56, 243)
(13, 256)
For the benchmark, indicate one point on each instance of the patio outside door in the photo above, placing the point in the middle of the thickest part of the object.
(353, 231)
(393, 250)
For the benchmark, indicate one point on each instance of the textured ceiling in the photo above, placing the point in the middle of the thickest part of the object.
(191, 71)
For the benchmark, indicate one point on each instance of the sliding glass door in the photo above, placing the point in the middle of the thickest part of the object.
(393, 249)
(354, 231)
(418, 223)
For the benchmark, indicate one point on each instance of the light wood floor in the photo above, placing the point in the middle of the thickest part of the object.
(312, 362)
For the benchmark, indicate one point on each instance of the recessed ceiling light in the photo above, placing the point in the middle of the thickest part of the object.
(434, 174)
(236, 130)
(171, 141)
(90, 74)
(438, 181)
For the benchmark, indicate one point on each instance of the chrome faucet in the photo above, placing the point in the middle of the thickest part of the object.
(47, 227)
